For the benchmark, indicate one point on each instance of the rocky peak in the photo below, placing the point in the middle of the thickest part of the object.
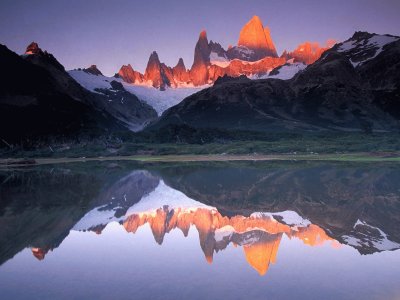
(33, 48)
(157, 73)
(153, 70)
(93, 70)
(217, 48)
(257, 38)
(307, 53)
(202, 49)
(361, 35)
(180, 73)
(44, 59)
(154, 61)
(199, 72)
(129, 75)
(180, 65)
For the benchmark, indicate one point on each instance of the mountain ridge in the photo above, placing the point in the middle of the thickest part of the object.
(254, 55)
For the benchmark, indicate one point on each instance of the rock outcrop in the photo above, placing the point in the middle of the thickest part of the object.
(93, 70)
(129, 75)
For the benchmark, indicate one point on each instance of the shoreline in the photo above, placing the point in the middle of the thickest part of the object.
(354, 157)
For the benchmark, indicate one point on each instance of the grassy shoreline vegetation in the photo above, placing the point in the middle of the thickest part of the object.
(186, 142)
(355, 157)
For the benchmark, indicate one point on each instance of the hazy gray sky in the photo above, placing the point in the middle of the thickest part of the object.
(112, 33)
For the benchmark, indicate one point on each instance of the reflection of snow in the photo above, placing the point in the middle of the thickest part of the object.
(162, 196)
(290, 218)
(97, 216)
(380, 242)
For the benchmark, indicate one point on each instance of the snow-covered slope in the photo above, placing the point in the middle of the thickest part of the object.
(159, 100)
(363, 46)
(287, 71)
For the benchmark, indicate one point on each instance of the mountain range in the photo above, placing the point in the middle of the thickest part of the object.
(254, 55)
(350, 86)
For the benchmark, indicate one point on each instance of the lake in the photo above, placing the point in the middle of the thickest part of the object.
(200, 230)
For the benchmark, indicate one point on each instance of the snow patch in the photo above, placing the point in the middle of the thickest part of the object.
(90, 81)
(220, 61)
(97, 216)
(288, 71)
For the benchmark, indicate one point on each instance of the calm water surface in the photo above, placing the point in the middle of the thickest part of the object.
(287, 230)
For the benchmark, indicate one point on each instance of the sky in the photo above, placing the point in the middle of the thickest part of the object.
(112, 33)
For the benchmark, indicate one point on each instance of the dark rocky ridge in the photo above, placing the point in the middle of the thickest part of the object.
(37, 103)
(40, 100)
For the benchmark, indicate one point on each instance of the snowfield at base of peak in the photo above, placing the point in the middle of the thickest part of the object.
(159, 100)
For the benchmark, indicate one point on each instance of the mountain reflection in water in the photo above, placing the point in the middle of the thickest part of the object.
(242, 206)
(166, 209)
